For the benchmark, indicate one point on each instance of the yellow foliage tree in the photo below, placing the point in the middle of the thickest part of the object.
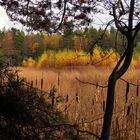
(30, 62)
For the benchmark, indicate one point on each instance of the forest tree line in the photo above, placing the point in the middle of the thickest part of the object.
(16, 46)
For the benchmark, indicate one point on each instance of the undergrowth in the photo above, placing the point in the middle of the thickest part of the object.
(26, 115)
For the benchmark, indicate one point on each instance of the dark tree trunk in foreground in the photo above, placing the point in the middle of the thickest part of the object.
(111, 92)
(123, 64)
(109, 108)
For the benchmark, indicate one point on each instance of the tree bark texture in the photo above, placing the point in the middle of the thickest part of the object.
(109, 108)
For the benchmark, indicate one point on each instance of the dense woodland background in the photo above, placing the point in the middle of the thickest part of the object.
(70, 48)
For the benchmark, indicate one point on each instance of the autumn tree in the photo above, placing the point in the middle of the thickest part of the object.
(51, 16)
(7, 45)
(80, 41)
(18, 43)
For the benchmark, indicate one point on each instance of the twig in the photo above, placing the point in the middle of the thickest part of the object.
(90, 133)
(63, 16)
(102, 35)
(103, 59)
(133, 84)
(79, 130)
(85, 82)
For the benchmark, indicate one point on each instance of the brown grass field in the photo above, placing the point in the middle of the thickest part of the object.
(84, 103)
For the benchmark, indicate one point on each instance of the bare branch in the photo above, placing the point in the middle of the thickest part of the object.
(127, 60)
(88, 132)
(119, 62)
(103, 59)
(137, 28)
(117, 22)
(77, 129)
(131, 13)
(133, 84)
(91, 44)
(91, 83)
(63, 16)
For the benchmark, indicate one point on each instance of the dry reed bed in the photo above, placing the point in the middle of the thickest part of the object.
(84, 104)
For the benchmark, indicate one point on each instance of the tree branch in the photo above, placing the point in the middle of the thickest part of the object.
(102, 35)
(125, 65)
(117, 22)
(137, 28)
(119, 62)
(131, 13)
(63, 16)
(133, 84)
(77, 129)
(88, 132)
(101, 86)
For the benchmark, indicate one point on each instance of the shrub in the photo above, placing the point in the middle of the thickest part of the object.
(30, 62)
(26, 115)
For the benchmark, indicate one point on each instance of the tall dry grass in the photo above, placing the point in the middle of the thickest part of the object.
(84, 103)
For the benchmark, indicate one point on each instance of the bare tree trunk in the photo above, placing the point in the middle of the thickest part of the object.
(109, 108)
(118, 71)
(120, 68)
